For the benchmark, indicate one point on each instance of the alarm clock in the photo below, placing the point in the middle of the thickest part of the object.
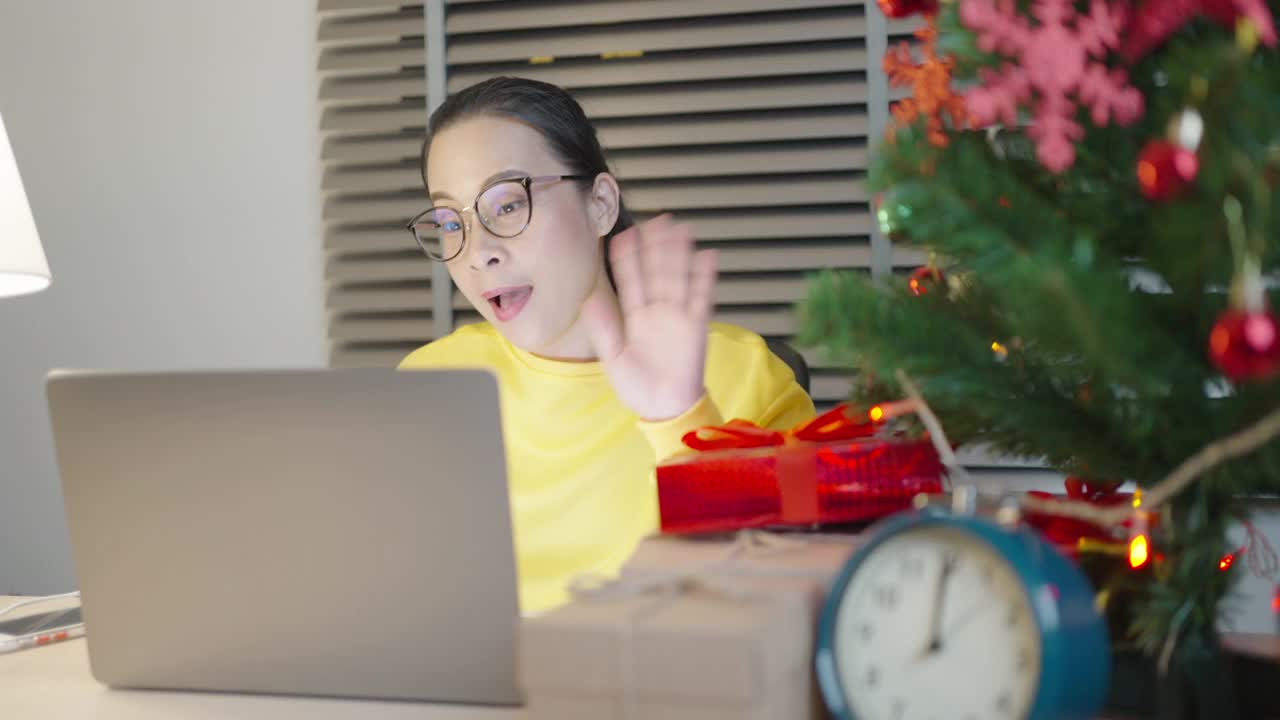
(944, 616)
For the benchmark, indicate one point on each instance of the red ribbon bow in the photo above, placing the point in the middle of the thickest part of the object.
(834, 425)
(796, 468)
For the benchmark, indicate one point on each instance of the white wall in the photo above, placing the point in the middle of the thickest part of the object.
(169, 152)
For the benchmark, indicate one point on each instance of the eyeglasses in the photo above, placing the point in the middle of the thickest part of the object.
(504, 207)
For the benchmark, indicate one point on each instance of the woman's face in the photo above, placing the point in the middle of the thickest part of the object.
(531, 287)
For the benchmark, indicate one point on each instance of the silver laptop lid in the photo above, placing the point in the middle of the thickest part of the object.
(318, 532)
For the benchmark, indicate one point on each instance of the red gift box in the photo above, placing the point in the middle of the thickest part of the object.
(830, 470)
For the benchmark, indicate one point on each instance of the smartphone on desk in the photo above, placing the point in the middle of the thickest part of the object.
(38, 629)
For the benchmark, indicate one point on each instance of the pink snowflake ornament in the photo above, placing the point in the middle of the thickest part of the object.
(1057, 65)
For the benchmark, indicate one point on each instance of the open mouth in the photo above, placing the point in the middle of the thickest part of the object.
(508, 302)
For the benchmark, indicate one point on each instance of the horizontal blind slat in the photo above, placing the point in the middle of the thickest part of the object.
(753, 94)
(753, 192)
(325, 6)
(731, 128)
(800, 59)
(374, 179)
(778, 223)
(522, 15)
(830, 387)
(406, 53)
(368, 119)
(336, 29)
(652, 163)
(390, 87)
(729, 31)
(375, 150)
(359, 355)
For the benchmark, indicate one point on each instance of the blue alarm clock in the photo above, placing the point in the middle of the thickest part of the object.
(943, 616)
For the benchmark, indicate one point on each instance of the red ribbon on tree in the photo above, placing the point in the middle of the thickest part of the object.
(1068, 532)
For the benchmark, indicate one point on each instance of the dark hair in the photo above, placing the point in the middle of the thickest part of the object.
(545, 108)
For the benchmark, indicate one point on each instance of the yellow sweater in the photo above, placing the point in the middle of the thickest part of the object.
(580, 464)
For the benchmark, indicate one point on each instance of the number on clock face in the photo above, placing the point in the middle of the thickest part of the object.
(935, 625)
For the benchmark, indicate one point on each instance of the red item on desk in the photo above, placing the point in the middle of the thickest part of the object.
(829, 470)
(1067, 533)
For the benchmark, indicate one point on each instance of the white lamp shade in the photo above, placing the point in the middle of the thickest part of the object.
(23, 268)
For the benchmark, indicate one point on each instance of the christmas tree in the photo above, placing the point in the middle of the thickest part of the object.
(1096, 184)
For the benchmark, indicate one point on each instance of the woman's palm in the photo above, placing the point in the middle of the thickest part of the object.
(655, 351)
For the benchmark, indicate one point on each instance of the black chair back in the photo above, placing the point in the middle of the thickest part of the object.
(793, 359)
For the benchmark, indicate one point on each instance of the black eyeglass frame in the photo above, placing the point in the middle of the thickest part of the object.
(527, 182)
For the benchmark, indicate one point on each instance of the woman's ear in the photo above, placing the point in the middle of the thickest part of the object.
(603, 203)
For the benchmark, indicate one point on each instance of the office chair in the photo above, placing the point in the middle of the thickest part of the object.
(793, 359)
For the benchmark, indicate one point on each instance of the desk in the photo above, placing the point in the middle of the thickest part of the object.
(53, 683)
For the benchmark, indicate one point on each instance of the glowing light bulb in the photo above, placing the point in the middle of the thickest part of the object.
(1138, 551)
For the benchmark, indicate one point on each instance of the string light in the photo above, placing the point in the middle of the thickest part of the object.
(1139, 544)
(1001, 351)
(1138, 551)
(1226, 561)
(1247, 35)
(889, 411)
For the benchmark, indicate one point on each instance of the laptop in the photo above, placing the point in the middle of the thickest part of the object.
(340, 533)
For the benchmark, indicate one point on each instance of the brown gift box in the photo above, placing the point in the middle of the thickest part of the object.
(725, 630)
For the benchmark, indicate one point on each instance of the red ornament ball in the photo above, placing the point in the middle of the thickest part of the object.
(1245, 345)
(924, 279)
(1165, 169)
(898, 9)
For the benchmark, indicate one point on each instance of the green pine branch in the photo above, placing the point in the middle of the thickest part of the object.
(1103, 299)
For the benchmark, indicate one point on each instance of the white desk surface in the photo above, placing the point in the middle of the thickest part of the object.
(53, 683)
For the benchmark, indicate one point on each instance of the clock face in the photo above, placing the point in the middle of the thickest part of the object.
(935, 625)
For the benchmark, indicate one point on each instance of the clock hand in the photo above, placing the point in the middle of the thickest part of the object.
(935, 619)
(966, 617)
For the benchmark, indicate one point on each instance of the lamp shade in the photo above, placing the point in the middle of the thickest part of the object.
(23, 268)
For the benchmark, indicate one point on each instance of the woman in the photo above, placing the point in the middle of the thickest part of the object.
(599, 332)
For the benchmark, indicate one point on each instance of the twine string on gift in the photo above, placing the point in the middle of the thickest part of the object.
(745, 542)
(936, 433)
(668, 586)
(664, 589)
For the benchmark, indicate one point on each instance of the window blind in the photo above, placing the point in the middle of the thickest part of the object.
(748, 119)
